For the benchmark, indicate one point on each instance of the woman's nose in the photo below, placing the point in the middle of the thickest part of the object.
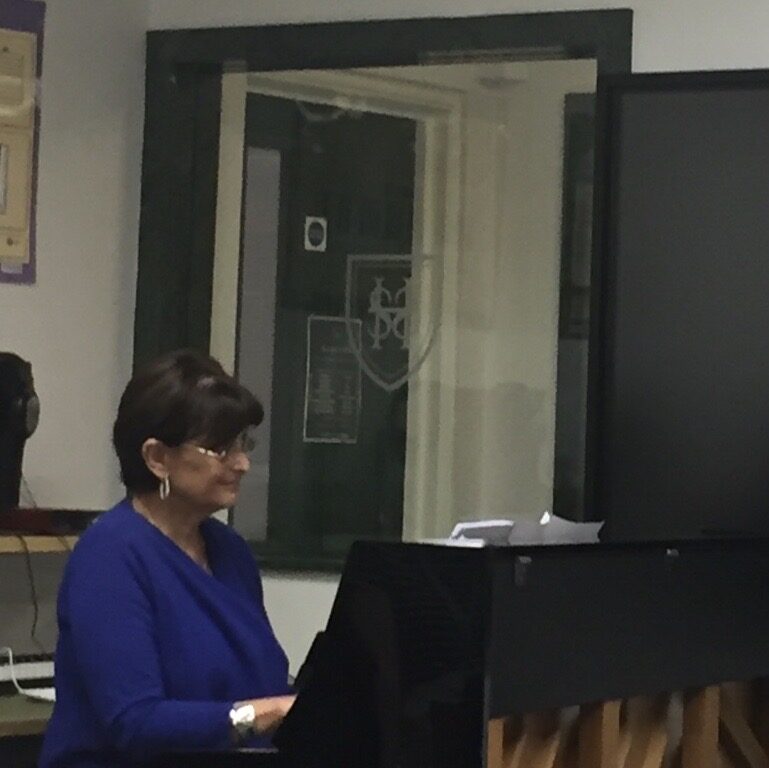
(240, 461)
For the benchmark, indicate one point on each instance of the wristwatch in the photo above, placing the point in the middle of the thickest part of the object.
(242, 719)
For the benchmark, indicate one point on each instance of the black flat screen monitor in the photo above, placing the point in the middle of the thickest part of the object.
(680, 381)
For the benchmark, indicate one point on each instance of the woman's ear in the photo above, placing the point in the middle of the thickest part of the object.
(155, 455)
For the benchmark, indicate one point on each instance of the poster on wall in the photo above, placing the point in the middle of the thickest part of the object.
(332, 400)
(21, 58)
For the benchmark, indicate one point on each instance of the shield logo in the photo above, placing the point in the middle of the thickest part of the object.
(397, 300)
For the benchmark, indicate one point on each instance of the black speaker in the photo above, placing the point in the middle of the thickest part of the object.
(19, 415)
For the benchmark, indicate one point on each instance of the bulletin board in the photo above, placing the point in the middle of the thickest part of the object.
(21, 56)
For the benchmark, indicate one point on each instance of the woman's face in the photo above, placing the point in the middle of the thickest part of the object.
(206, 481)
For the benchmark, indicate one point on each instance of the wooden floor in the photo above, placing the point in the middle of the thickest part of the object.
(718, 727)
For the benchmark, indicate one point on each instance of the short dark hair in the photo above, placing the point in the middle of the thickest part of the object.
(183, 395)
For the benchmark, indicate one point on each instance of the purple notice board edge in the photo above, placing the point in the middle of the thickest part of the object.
(27, 16)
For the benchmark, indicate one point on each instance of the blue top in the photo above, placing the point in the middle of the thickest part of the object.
(153, 650)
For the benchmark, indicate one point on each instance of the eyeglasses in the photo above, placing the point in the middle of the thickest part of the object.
(243, 443)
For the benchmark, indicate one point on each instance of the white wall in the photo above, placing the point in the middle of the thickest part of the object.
(668, 34)
(76, 324)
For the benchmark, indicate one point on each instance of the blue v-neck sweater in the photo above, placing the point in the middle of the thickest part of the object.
(152, 649)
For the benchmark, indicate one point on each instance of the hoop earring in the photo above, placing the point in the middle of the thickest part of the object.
(165, 488)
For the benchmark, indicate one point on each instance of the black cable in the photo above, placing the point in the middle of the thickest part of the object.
(31, 574)
(33, 594)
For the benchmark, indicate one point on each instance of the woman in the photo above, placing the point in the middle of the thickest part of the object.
(164, 643)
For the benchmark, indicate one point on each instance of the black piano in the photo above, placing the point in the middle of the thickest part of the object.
(427, 645)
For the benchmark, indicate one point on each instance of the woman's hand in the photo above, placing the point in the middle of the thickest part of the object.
(270, 712)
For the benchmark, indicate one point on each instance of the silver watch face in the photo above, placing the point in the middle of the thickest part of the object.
(243, 715)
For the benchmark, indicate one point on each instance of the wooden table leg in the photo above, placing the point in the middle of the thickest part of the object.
(699, 741)
(737, 736)
(646, 727)
(599, 734)
(538, 743)
(495, 743)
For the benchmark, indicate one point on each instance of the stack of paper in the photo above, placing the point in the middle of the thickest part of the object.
(482, 532)
(549, 529)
